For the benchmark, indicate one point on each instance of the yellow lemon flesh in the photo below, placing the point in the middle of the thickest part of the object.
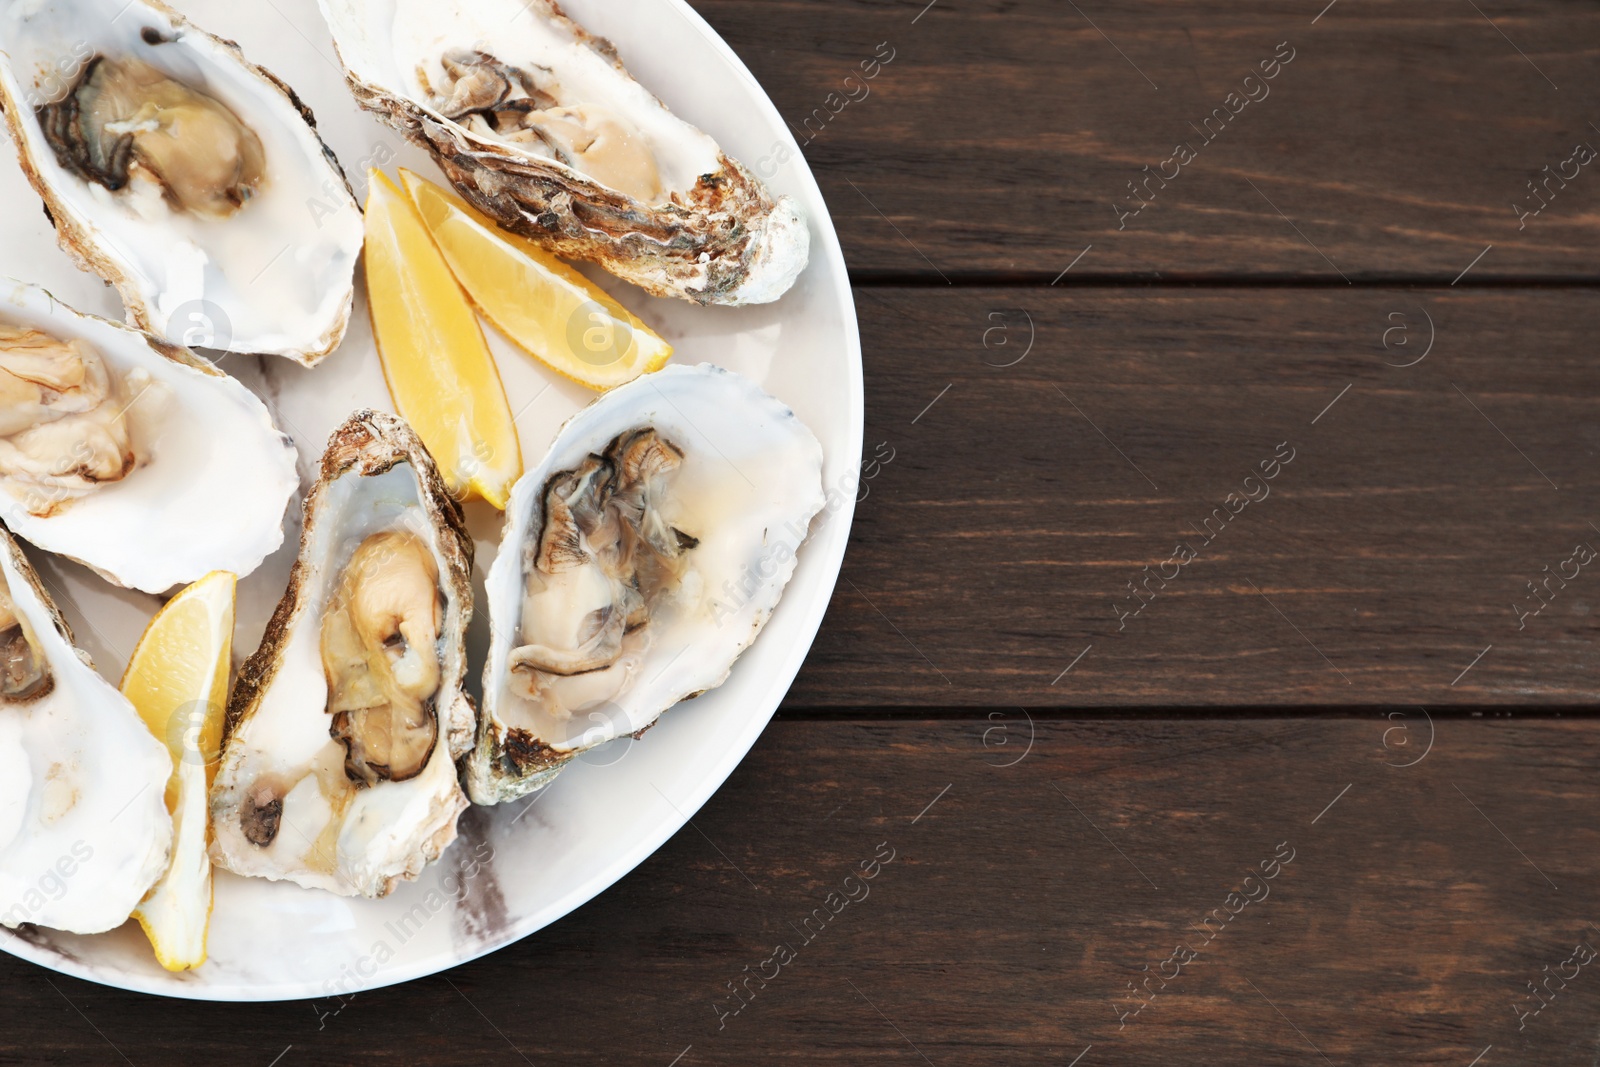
(441, 374)
(544, 306)
(178, 682)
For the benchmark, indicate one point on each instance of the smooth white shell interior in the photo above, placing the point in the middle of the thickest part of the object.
(750, 482)
(216, 475)
(376, 837)
(274, 277)
(84, 828)
(520, 866)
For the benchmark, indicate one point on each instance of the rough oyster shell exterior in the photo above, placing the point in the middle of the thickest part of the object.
(211, 285)
(726, 240)
(278, 701)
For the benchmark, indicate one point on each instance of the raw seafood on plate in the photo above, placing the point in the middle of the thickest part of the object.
(638, 561)
(131, 455)
(184, 175)
(84, 828)
(338, 765)
(537, 122)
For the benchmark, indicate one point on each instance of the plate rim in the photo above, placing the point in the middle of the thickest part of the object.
(825, 246)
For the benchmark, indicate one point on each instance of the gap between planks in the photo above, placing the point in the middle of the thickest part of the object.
(1154, 713)
(874, 279)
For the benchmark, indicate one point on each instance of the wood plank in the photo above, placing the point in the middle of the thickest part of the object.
(999, 541)
(1001, 135)
(1020, 903)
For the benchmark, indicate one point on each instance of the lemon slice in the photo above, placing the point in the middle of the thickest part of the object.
(544, 306)
(178, 682)
(440, 372)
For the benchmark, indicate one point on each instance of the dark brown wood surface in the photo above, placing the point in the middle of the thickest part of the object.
(1392, 145)
(1022, 898)
(1351, 670)
(999, 541)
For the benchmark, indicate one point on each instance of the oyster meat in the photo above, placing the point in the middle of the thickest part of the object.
(84, 827)
(126, 120)
(338, 765)
(639, 560)
(190, 179)
(540, 126)
(131, 455)
(63, 420)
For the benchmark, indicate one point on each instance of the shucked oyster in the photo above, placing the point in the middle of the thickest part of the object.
(84, 827)
(380, 655)
(338, 768)
(188, 178)
(63, 420)
(130, 455)
(638, 561)
(538, 123)
(604, 562)
(125, 119)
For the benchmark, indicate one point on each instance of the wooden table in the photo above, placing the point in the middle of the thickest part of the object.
(1210, 662)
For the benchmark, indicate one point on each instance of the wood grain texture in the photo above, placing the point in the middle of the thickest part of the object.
(1003, 132)
(1047, 445)
(1000, 540)
(1020, 902)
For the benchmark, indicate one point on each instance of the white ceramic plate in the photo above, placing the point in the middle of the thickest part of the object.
(520, 866)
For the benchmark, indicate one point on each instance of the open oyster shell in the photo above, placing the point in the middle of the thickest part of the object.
(184, 175)
(639, 560)
(539, 125)
(208, 474)
(338, 766)
(84, 827)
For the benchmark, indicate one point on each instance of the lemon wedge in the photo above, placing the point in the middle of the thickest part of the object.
(440, 372)
(548, 309)
(178, 682)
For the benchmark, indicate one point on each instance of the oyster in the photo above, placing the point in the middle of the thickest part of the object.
(130, 455)
(63, 420)
(338, 765)
(639, 560)
(84, 827)
(540, 126)
(190, 179)
(126, 120)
